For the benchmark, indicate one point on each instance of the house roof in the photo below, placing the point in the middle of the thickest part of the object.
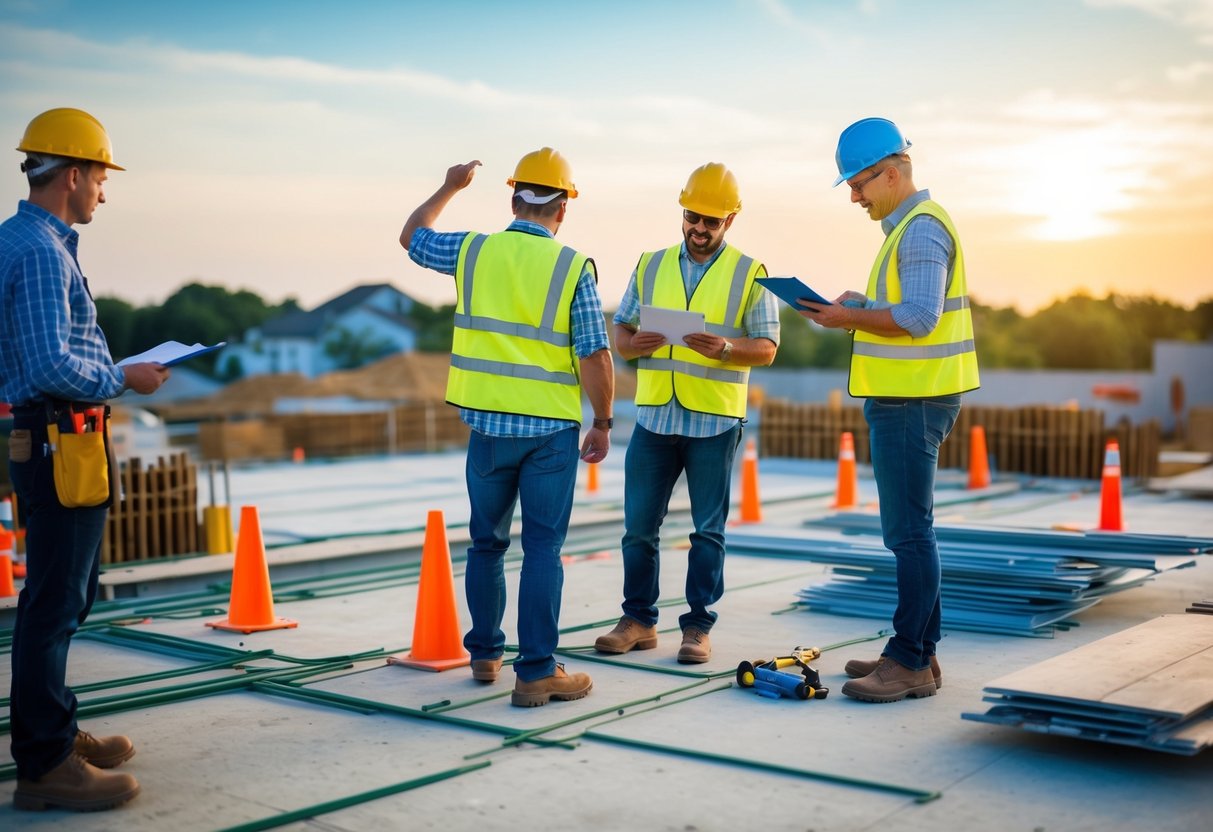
(312, 324)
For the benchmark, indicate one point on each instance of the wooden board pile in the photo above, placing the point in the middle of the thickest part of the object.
(1150, 686)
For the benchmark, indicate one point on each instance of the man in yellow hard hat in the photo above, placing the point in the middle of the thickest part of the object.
(57, 372)
(913, 355)
(529, 337)
(690, 406)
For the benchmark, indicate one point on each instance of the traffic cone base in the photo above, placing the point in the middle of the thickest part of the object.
(437, 641)
(251, 609)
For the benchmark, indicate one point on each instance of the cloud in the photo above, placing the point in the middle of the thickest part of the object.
(1190, 73)
(1190, 14)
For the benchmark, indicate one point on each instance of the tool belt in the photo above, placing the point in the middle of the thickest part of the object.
(78, 435)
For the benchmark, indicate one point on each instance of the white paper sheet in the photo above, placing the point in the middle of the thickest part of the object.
(672, 323)
(170, 353)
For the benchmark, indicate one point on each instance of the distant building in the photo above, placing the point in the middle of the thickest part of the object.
(355, 328)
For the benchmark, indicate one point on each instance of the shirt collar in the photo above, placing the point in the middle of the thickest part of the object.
(899, 213)
(686, 257)
(37, 212)
(530, 228)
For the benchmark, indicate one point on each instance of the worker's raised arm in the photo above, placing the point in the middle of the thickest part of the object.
(426, 214)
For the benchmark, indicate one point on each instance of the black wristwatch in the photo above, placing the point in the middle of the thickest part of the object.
(604, 424)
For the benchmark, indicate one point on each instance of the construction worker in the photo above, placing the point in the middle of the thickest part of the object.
(912, 356)
(56, 368)
(529, 337)
(690, 406)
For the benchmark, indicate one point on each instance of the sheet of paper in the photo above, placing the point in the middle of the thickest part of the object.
(672, 323)
(170, 353)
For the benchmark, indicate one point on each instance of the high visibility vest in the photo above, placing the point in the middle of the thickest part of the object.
(512, 350)
(941, 363)
(701, 384)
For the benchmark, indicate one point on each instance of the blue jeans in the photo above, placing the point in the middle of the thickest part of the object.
(63, 556)
(652, 466)
(905, 437)
(541, 471)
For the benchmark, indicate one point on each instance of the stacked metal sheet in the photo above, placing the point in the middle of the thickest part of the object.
(1149, 686)
(997, 580)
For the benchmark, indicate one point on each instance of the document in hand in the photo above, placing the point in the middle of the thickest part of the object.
(672, 323)
(789, 289)
(170, 353)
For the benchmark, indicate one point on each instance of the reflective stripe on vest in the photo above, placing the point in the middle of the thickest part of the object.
(701, 384)
(510, 354)
(941, 363)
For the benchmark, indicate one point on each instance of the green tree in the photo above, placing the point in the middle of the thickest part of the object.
(350, 349)
(435, 327)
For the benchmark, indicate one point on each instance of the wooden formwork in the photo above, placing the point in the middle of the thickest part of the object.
(154, 512)
(1045, 441)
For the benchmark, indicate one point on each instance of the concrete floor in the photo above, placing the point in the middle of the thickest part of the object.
(656, 745)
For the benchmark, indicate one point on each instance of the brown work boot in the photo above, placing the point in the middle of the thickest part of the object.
(559, 685)
(696, 646)
(75, 785)
(891, 682)
(858, 668)
(103, 752)
(629, 634)
(486, 670)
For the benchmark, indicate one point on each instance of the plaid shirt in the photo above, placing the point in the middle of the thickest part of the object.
(761, 320)
(924, 266)
(50, 344)
(440, 251)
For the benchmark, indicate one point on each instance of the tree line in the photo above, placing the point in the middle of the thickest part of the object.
(1078, 333)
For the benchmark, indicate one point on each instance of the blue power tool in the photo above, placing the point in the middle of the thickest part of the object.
(767, 678)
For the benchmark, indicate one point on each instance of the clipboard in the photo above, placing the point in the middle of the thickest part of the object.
(788, 289)
(170, 353)
(672, 323)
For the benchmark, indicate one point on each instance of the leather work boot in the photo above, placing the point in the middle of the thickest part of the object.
(75, 785)
(629, 634)
(858, 668)
(891, 682)
(103, 752)
(559, 685)
(696, 647)
(486, 670)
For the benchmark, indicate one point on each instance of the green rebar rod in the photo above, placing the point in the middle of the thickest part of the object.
(353, 800)
(621, 715)
(919, 795)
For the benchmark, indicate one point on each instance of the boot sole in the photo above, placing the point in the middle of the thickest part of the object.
(685, 659)
(534, 700)
(35, 803)
(643, 644)
(916, 693)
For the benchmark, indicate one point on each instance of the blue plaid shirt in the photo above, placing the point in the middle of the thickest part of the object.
(50, 344)
(440, 251)
(924, 267)
(761, 320)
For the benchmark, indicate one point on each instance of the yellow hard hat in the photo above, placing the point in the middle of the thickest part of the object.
(68, 132)
(544, 167)
(712, 191)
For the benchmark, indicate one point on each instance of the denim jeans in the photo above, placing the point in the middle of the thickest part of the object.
(905, 437)
(652, 466)
(541, 472)
(63, 556)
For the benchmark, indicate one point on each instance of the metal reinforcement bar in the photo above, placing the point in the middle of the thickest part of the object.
(353, 800)
(919, 795)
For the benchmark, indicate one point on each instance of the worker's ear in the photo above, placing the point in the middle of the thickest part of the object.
(564, 205)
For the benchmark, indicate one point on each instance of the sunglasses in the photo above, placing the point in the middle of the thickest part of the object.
(710, 223)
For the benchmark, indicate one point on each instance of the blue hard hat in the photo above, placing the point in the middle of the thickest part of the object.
(865, 143)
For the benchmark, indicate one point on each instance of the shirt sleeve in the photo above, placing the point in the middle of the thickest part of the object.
(761, 317)
(628, 313)
(589, 327)
(924, 262)
(437, 250)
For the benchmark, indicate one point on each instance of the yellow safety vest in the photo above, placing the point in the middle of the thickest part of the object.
(512, 350)
(942, 363)
(701, 384)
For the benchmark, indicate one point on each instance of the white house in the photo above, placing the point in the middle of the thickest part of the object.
(355, 328)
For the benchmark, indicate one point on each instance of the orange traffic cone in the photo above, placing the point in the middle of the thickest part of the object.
(1110, 519)
(979, 458)
(298, 455)
(251, 608)
(437, 644)
(751, 504)
(591, 483)
(847, 492)
(7, 588)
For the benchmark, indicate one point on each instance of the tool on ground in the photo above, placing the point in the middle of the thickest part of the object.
(767, 678)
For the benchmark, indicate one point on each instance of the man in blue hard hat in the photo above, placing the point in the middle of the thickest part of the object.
(912, 356)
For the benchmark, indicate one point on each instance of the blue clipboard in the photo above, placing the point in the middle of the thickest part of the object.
(788, 289)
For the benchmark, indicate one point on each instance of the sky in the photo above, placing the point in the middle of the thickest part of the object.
(279, 146)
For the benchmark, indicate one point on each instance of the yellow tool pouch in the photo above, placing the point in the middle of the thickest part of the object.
(81, 461)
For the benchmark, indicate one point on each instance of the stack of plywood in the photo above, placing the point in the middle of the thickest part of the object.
(1150, 686)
